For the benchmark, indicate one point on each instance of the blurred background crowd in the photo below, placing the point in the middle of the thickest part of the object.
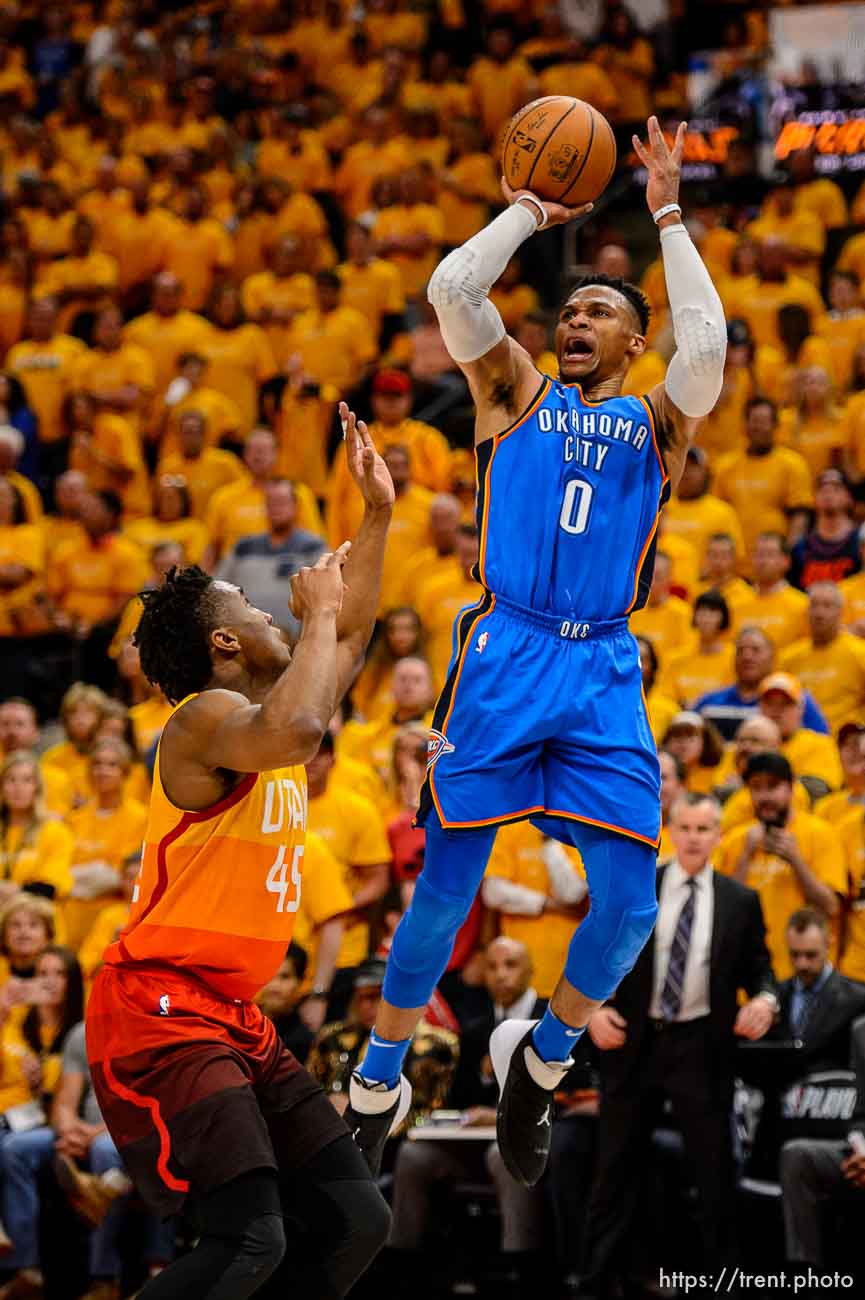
(215, 221)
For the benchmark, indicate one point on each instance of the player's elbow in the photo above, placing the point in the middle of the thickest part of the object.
(304, 736)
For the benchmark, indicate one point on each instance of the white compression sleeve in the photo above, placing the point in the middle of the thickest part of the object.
(696, 372)
(459, 285)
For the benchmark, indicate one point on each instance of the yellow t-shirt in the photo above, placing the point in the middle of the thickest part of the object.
(195, 251)
(668, 626)
(776, 882)
(87, 581)
(689, 674)
(696, 520)
(148, 718)
(324, 896)
(402, 221)
(148, 533)
(97, 371)
(499, 89)
(782, 614)
(819, 439)
(166, 338)
(438, 601)
(811, 753)
(110, 920)
(834, 674)
(661, 709)
(517, 857)
(238, 510)
(239, 361)
(101, 835)
(114, 438)
(758, 302)
(409, 532)
(582, 80)
(851, 829)
(739, 808)
(737, 594)
(852, 257)
(843, 334)
(44, 856)
(764, 489)
(45, 371)
(334, 347)
(375, 289)
(372, 742)
(353, 830)
(465, 201)
(205, 475)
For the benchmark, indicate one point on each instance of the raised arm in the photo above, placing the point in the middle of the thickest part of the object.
(696, 371)
(501, 374)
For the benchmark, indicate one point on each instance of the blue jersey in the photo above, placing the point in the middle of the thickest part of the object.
(568, 504)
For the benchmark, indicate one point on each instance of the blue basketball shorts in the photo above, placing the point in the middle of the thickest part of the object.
(542, 718)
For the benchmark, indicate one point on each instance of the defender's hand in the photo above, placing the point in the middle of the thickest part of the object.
(320, 589)
(557, 213)
(367, 468)
(663, 165)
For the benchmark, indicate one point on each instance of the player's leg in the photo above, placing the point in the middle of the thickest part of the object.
(338, 1217)
(241, 1242)
(530, 1060)
(454, 864)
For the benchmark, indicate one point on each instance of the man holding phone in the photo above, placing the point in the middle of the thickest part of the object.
(792, 858)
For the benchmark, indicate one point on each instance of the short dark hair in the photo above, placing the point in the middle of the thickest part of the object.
(654, 662)
(769, 763)
(805, 917)
(111, 501)
(777, 537)
(298, 958)
(635, 296)
(712, 599)
(760, 399)
(172, 634)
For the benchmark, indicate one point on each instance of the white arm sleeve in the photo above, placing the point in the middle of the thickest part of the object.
(566, 884)
(506, 896)
(696, 372)
(459, 285)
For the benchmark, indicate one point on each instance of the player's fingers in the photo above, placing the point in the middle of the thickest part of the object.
(656, 136)
(640, 150)
(336, 558)
(348, 418)
(679, 144)
(365, 435)
(506, 190)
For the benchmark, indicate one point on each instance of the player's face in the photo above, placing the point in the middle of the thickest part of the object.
(262, 645)
(597, 335)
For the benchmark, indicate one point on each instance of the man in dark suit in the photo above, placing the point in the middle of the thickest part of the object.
(670, 1031)
(818, 1005)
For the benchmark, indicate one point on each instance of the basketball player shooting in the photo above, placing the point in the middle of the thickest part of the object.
(207, 1108)
(542, 714)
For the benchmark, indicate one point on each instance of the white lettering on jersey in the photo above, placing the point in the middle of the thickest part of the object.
(292, 809)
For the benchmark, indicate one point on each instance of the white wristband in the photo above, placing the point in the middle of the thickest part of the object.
(529, 198)
(665, 211)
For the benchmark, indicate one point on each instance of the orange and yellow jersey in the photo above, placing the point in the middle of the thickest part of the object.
(219, 889)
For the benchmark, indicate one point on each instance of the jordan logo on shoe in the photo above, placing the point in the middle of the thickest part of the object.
(545, 1119)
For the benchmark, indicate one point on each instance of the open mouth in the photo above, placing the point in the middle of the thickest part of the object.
(578, 350)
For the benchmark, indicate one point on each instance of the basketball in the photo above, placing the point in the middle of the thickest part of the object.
(561, 149)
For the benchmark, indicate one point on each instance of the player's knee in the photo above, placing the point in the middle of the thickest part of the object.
(262, 1246)
(372, 1224)
(431, 922)
(630, 935)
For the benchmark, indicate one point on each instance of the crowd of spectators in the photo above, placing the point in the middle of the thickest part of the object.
(215, 221)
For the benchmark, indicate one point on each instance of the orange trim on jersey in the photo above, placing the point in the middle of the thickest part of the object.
(151, 1104)
(496, 441)
(642, 560)
(462, 659)
(490, 821)
(663, 468)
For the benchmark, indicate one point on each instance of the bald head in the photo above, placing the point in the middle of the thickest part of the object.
(507, 970)
(755, 736)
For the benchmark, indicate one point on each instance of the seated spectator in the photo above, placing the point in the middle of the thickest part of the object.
(334, 342)
(719, 574)
(353, 830)
(105, 448)
(338, 1048)
(115, 373)
(695, 514)
(16, 411)
(187, 393)
(110, 919)
(172, 521)
(58, 1005)
(729, 707)
(107, 829)
(273, 298)
(206, 469)
(423, 1167)
(851, 751)
(91, 583)
(168, 330)
(661, 708)
(815, 426)
(279, 1001)
(239, 509)
(263, 564)
(758, 298)
(148, 710)
(830, 663)
(12, 448)
(843, 330)
(829, 552)
(325, 907)
(674, 775)
(698, 745)
(513, 298)
(391, 424)
(400, 635)
(64, 524)
(538, 888)
(408, 773)
(412, 696)
(35, 850)
(198, 248)
(812, 755)
(23, 605)
(410, 233)
(371, 285)
(19, 730)
(758, 734)
(818, 1006)
(777, 609)
(665, 619)
(792, 858)
(816, 1170)
(689, 674)
(28, 924)
(43, 362)
(82, 283)
(853, 595)
(238, 354)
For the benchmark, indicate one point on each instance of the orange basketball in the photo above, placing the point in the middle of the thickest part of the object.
(561, 149)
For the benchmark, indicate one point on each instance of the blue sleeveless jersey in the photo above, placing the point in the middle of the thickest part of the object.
(568, 504)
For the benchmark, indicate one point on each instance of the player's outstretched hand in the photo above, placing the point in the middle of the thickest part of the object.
(319, 590)
(663, 164)
(557, 213)
(367, 468)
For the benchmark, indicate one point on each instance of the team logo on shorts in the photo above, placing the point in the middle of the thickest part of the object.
(436, 746)
(482, 643)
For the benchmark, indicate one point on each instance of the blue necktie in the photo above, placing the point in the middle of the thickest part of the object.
(806, 1002)
(671, 994)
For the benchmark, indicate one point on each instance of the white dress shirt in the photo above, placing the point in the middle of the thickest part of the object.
(519, 1010)
(674, 893)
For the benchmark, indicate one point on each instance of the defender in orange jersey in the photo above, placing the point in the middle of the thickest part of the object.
(207, 1109)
